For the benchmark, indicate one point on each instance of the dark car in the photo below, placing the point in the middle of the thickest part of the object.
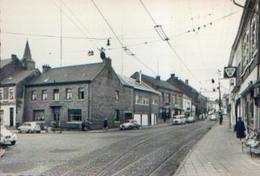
(86, 125)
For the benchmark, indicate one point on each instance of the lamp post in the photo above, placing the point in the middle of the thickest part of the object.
(219, 97)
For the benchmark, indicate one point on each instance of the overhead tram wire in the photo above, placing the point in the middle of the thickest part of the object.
(77, 23)
(78, 20)
(124, 47)
(167, 40)
(51, 36)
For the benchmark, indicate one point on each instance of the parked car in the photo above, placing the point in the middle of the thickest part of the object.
(190, 119)
(7, 137)
(132, 124)
(213, 117)
(179, 120)
(29, 127)
(86, 125)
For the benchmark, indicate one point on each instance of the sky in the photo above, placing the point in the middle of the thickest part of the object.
(195, 56)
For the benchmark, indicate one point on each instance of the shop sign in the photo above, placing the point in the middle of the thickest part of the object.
(230, 72)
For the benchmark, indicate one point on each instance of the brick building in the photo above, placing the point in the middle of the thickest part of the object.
(199, 102)
(75, 93)
(170, 99)
(14, 74)
(144, 100)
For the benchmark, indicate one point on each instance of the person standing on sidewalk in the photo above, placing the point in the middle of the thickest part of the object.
(105, 125)
(240, 129)
(220, 118)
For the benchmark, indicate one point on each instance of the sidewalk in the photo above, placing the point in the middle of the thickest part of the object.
(219, 153)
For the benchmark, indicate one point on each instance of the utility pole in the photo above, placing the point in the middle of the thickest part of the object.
(220, 104)
(61, 33)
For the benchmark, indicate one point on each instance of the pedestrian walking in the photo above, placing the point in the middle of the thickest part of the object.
(220, 118)
(105, 125)
(240, 129)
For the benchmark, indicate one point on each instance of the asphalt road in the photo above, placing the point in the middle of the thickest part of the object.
(153, 151)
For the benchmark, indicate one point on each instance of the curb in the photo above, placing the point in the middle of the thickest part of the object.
(188, 155)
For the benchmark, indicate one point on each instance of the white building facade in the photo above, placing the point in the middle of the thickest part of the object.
(244, 96)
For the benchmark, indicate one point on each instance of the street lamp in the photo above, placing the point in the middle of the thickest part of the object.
(219, 99)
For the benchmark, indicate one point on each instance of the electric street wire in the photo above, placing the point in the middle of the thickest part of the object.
(120, 42)
(78, 20)
(51, 36)
(169, 44)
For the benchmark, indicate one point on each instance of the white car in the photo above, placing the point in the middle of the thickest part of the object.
(190, 119)
(29, 127)
(213, 117)
(132, 124)
(7, 137)
(179, 120)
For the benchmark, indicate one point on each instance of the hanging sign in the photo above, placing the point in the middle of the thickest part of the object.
(230, 72)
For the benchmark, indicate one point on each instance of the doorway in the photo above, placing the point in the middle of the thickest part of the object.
(11, 117)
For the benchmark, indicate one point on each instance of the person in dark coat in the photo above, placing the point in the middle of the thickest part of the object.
(240, 129)
(105, 123)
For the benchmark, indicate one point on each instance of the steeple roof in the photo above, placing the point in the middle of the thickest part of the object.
(27, 52)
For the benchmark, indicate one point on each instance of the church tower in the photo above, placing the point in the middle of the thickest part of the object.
(27, 61)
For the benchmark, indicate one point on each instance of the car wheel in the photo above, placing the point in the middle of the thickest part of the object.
(13, 142)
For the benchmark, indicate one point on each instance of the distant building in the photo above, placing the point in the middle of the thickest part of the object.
(145, 101)
(76, 93)
(170, 99)
(199, 102)
(244, 99)
(14, 74)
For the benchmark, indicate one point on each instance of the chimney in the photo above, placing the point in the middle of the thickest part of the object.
(158, 77)
(13, 56)
(45, 68)
(139, 78)
(187, 81)
(172, 76)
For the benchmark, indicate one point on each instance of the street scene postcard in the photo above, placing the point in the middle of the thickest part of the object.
(129, 88)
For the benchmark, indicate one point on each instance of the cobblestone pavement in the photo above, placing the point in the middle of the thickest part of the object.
(219, 153)
(153, 151)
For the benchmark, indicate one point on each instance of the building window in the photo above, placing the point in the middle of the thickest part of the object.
(56, 94)
(74, 115)
(38, 115)
(174, 99)
(155, 102)
(253, 37)
(81, 93)
(141, 100)
(138, 99)
(44, 94)
(145, 101)
(1, 94)
(33, 95)
(68, 94)
(117, 95)
(11, 93)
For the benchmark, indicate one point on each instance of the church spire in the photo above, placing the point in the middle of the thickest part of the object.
(27, 52)
(27, 60)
